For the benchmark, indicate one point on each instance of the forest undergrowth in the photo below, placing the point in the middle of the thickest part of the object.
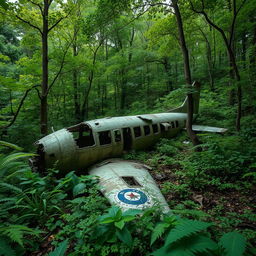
(211, 194)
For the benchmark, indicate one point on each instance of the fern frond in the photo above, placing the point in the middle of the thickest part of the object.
(184, 229)
(16, 235)
(233, 244)
(10, 145)
(8, 199)
(158, 231)
(5, 248)
(11, 187)
(61, 249)
(14, 157)
(189, 246)
(16, 232)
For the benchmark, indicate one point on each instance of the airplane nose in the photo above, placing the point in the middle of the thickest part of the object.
(55, 150)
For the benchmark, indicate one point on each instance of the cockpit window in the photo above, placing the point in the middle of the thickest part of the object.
(105, 137)
(83, 135)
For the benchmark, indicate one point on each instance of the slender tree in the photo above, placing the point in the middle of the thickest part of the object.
(229, 44)
(187, 73)
(44, 29)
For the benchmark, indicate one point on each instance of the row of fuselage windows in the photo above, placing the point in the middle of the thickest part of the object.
(86, 139)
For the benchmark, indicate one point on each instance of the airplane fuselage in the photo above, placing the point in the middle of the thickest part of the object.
(82, 145)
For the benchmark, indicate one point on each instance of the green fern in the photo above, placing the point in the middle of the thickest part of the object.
(11, 187)
(184, 229)
(5, 248)
(10, 145)
(189, 246)
(14, 157)
(233, 244)
(158, 231)
(16, 232)
(60, 250)
(161, 228)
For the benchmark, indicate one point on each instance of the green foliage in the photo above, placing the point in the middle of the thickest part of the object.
(60, 250)
(233, 244)
(184, 229)
(16, 233)
(164, 147)
(113, 225)
(162, 227)
(126, 54)
(5, 247)
(222, 160)
(188, 247)
(187, 238)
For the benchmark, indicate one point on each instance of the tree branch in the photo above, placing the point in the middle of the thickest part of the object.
(30, 24)
(209, 21)
(38, 5)
(235, 14)
(61, 66)
(20, 105)
(57, 22)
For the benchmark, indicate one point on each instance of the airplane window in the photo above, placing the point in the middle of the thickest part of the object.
(131, 181)
(82, 135)
(117, 136)
(146, 130)
(172, 125)
(155, 128)
(177, 124)
(105, 137)
(162, 128)
(137, 131)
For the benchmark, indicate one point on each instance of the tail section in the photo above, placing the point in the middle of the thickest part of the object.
(196, 98)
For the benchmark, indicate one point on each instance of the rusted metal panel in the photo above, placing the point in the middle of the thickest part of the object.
(140, 195)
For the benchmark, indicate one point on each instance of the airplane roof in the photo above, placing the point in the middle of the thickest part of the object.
(110, 123)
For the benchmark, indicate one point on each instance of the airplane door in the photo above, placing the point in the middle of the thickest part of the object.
(127, 135)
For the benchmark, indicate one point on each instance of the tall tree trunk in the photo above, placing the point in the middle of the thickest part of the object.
(75, 80)
(209, 59)
(123, 89)
(244, 44)
(187, 73)
(230, 50)
(167, 68)
(85, 105)
(43, 109)
(252, 57)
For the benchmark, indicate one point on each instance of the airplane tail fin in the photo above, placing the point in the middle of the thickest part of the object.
(196, 98)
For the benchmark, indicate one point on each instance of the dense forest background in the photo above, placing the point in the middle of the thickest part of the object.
(63, 62)
(116, 58)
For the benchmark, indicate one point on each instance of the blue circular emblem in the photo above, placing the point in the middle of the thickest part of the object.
(132, 196)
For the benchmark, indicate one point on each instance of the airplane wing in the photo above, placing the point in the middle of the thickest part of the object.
(202, 128)
(129, 185)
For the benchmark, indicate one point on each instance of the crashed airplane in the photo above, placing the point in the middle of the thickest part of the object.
(127, 184)
(89, 142)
